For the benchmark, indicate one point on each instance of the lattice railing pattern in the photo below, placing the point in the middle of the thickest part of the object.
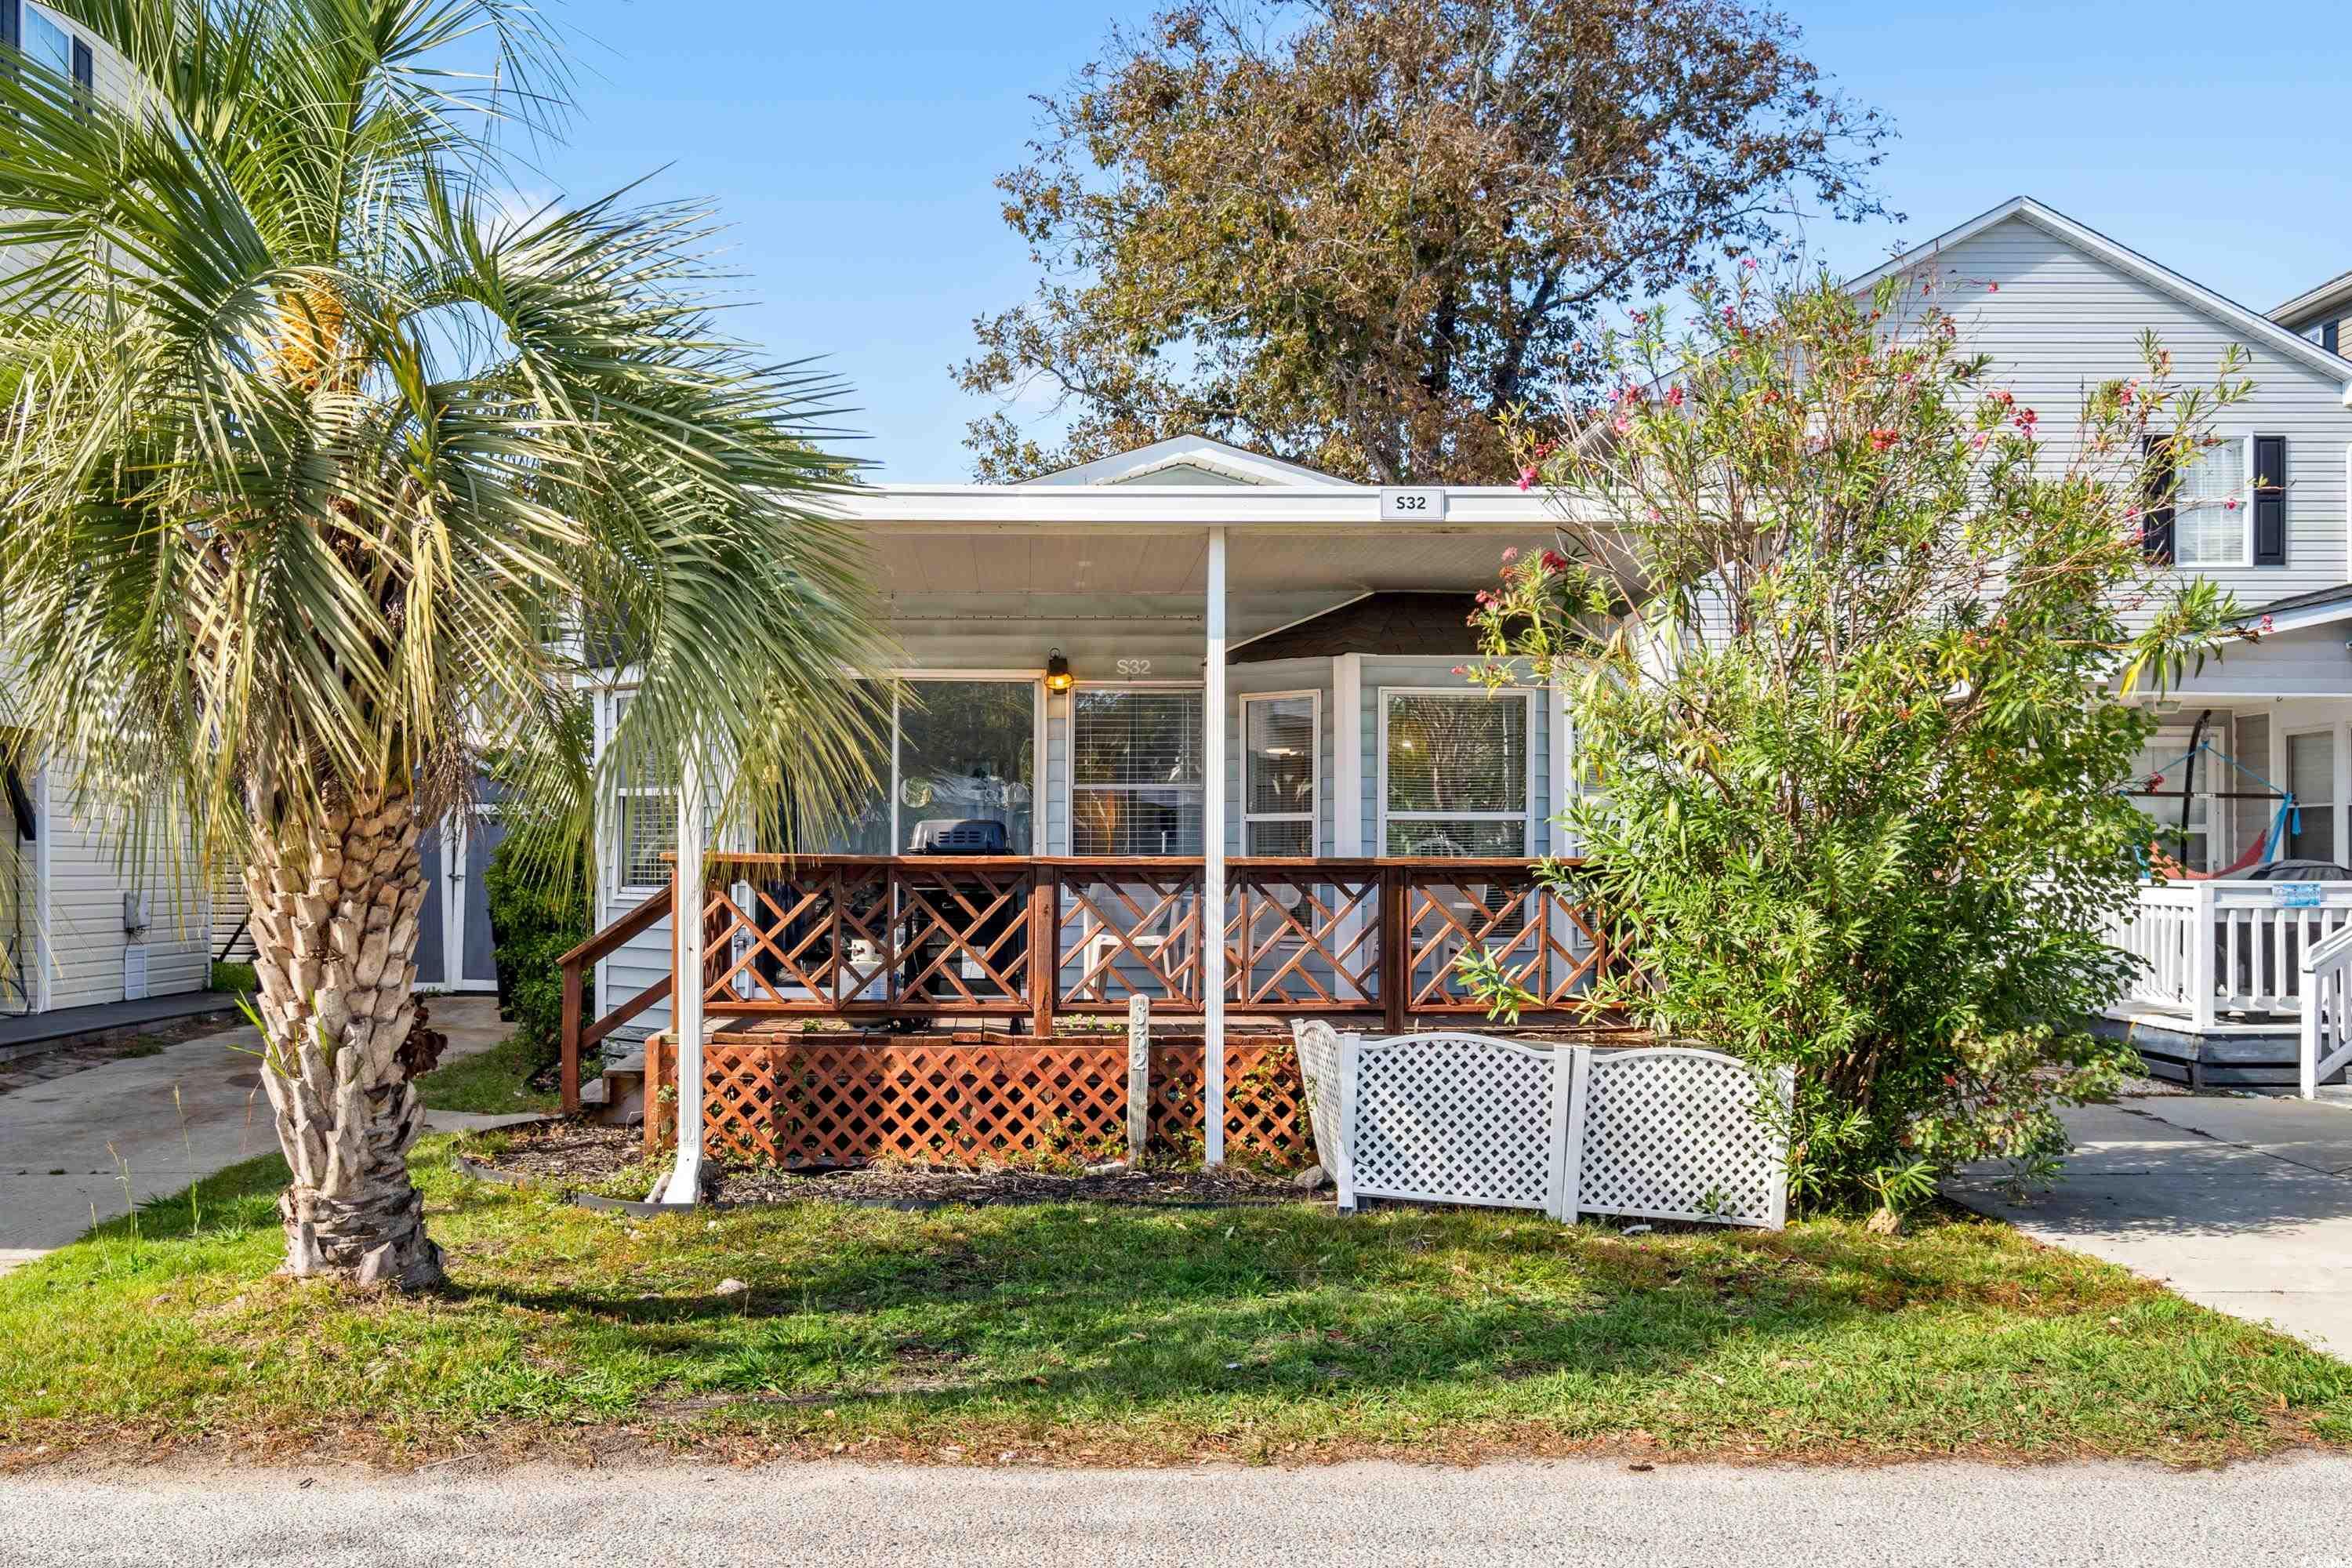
(1456, 1119)
(1126, 931)
(1550, 942)
(1303, 939)
(1672, 1133)
(814, 1104)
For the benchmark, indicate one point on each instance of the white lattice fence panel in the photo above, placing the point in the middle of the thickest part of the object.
(1450, 1118)
(1674, 1133)
(1318, 1072)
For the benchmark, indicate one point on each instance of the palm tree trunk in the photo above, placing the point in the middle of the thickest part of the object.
(335, 922)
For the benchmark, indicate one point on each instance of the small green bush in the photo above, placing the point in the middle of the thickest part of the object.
(238, 978)
(535, 919)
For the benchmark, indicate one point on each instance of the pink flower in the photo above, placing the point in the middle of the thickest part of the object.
(1641, 318)
(1554, 561)
(1748, 263)
(1621, 424)
(2125, 396)
(1512, 553)
(1882, 438)
(2266, 626)
(2025, 418)
(2230, 505)
(1527, 481)
(1992, 287)
(1673, 397)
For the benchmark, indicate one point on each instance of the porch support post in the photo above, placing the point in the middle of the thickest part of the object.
(685, 1182)
(1347, 802)
(1212, 855)
(2202, 977)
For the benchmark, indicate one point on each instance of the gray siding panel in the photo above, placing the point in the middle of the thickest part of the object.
(2057, 321)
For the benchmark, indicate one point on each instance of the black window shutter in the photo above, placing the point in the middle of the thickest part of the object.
(2156, 514)
(85, 65)
(12, 23)
(2270, 500)
(2327, 338)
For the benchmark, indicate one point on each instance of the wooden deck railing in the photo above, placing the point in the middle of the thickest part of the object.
(579, 1035)
(875, 939)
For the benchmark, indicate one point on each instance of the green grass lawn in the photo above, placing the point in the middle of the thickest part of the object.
(1077, 1333)
(491, 1080)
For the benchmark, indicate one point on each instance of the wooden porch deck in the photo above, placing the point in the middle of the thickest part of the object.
(1037, 945)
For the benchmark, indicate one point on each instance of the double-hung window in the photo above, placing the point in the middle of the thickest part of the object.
(1135, 771)
(48, 45)
(2212, 522)
(1278, 790)
(1453, 773)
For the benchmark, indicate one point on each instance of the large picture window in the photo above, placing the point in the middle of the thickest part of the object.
(956, 751)
(1135, 771)
(1278, 792)
(1453, 773)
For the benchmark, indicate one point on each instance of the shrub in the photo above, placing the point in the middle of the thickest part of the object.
(1858, 730)
(535, 918)
(238, 979)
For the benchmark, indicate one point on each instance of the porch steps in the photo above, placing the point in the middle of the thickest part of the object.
(618, 1098)
(2264, 1053)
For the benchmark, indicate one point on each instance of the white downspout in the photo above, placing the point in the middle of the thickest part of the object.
(1213, 856)
(685, 1182)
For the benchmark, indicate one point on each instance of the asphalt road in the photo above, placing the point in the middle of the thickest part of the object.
(2279, 1513)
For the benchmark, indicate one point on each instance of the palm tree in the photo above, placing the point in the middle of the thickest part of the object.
(326, 477)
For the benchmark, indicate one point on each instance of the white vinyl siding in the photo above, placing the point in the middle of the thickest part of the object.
(2061, 320)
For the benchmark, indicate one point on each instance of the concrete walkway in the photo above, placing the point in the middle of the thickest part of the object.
(84, 1148)
(1589, 1512)
(2241, 1204)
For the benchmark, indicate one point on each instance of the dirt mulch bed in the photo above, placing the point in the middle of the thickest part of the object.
(928, 1186)
(582, 1155)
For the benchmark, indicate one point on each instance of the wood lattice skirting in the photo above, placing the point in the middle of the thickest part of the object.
(972, 1098)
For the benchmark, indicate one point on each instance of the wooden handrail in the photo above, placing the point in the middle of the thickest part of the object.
(578, 1034)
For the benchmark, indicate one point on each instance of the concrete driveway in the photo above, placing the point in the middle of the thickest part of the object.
(85, 1147)
(2241, 1203)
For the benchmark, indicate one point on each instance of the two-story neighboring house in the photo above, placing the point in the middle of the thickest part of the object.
(2254, 764)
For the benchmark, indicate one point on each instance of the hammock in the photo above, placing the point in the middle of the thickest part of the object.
(2262, 850)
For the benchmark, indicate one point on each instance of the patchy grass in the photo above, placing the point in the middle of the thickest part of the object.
(495, 1081)
(1081, 1333)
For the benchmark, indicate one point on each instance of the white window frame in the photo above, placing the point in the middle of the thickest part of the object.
(1313, 814)
(1526, 697)
(2244, 496)
(1071, 787)
(2335, 735)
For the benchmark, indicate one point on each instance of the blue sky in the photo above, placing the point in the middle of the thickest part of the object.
(852, 150)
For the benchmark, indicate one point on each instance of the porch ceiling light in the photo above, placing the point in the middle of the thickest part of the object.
(1057, 671)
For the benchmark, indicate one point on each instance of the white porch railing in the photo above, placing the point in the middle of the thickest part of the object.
(2210, 948)
(2326, 975)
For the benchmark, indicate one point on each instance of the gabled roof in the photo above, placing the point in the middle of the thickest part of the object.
(2254, 327)
(1212, 462)
(2319, 608)
(2328, 302)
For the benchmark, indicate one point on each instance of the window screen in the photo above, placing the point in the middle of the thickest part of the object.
(968, 750)
(1135, 772)
(1456, 773)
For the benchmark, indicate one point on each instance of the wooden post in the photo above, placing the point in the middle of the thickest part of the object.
(2203, 980)
(1396, 950)
(1045, 949)
(1139, 1076)
(574, 1006)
